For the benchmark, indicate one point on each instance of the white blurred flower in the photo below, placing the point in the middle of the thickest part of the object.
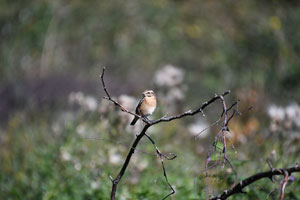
(273, 155)
(76, 97)
(82, 130)
(172, 100)
(139, 162)
(142, 165)
(88, 103)
(114, 157)
(293, 113)
(175, 94)
(105, 106)
(168, 76)
(276, 113)
(196, 128)
(65, 155)
(124, 194)
(94, 185)
(77, 166)
(228, 170)
(128, 102)
(288, 115)
(56, 128)
(171, 93)
(291, 110)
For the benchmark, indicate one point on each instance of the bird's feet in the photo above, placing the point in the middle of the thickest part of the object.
(145, 119)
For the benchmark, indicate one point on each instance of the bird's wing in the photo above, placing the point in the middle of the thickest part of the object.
(137, 107)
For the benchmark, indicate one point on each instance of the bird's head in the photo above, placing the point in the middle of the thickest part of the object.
(148, 93)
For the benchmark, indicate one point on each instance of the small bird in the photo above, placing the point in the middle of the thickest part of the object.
(146, 105)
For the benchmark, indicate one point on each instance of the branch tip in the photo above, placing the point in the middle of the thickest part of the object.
(111, 178)
(102, 74)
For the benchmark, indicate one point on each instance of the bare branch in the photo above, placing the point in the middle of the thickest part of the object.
(103, 83)
(218, 120)
(108, 97)
(238, 188)
(190, 112)
(124, 167)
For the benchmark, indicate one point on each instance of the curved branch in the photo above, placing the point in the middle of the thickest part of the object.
(160, 155)
(190, 112)
(238, 188)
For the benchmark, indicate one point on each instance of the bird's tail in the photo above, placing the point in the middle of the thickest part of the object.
(134, 121)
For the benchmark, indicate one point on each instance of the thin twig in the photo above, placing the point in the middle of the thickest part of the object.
(222, 136)
(224, 130)
(163, 166)
(218, 120)
(284, 182)
(125, 165)
(108, 97)
(210, 126)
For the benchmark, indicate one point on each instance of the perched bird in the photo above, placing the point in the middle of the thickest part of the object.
(146, 105)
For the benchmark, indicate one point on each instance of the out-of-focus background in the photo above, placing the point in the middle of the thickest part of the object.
(60, 140)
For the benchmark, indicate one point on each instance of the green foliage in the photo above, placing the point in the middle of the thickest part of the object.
(250, 47)
(53, 161)
(245, 44)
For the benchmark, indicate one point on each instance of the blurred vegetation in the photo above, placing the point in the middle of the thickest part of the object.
(49, 49)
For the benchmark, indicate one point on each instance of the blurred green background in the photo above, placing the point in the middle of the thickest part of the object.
(60, 140)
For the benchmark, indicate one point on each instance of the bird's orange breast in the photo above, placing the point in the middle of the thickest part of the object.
(148, 106)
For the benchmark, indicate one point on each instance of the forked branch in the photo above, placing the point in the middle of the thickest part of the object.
(148, 124)
(108, 97)
(161, 156)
